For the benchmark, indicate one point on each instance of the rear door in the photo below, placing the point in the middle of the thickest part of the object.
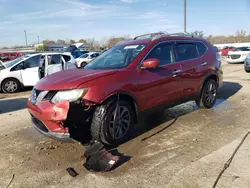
(190, 57)
(162, 85)
(55, 64)
(30, 74)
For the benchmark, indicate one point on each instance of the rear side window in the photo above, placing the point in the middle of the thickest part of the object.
(186, 51)
(66, 58)
(54, 59)
(201, 48)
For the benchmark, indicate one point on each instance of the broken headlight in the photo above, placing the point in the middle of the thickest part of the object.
(69, 95)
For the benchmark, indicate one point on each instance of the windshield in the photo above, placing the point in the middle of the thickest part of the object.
(13, 62)
(116, 57)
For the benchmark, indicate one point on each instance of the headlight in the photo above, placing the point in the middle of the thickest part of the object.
(68, 95)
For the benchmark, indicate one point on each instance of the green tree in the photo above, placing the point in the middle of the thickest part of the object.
(197, 33)
(43, 47)
(72, 41)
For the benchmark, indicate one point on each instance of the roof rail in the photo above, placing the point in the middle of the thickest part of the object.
(148, 35)
(180, 34)
(170, 34)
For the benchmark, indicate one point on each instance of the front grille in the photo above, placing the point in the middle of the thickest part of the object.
(49, 95)
(39, 125)
(235, 56)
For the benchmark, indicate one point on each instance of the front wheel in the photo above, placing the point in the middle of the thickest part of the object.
(11, 86)
(208, 94)
(111, 124)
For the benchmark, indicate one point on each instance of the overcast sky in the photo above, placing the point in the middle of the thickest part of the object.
(75, 19)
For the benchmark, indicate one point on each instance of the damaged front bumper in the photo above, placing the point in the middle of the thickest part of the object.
(58, 121)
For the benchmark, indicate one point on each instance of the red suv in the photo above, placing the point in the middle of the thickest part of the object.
(133, 78)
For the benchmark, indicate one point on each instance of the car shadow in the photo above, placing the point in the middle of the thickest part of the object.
(227, 90)
(11, 105)
(171, 115)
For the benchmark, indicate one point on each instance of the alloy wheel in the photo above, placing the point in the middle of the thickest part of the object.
(119, 122)
(10, 86)
(210, 93)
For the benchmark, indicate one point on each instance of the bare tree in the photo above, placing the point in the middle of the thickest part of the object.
(240, 35)
(114, 40)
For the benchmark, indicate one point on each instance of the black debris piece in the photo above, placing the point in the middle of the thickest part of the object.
(99, 159)
(72, 172)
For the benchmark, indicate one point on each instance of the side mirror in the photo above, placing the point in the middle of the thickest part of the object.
(150, 63)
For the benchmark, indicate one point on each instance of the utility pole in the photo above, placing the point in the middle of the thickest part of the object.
(185, 16)
(25, 34)
(38, 40)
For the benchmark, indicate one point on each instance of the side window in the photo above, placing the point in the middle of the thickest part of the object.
(54, 59)
(66, 58)
(163, 52)
(32, 62)
(19, 66)
(201, 48)
(186, 51)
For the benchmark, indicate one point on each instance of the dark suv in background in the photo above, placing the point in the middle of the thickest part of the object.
(133, 78)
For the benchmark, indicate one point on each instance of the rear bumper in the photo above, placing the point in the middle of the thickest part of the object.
(239, 60)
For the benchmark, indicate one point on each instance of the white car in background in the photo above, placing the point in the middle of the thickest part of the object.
(86, 58)
(238, 55)
(27, 70)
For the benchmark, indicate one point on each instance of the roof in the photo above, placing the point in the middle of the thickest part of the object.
(147, 38)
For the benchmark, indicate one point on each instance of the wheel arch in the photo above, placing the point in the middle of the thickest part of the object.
(213, 76)
(127, 96)
(8, 79)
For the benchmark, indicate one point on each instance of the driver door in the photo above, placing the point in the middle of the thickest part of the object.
(30, 75)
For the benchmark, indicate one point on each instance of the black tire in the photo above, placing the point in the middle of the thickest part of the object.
(83, 64)
(248, 71)
(207, 97)
(15, 88)
(100, 125)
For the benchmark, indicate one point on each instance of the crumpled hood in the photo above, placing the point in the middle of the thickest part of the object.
(70, 79)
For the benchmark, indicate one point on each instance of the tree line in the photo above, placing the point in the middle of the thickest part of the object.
(238, 37)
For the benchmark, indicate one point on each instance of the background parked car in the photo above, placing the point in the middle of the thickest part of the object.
(238, 55)
(224, 51)
(247, 63)
(8, 56)
(86, 58)
(27, 70)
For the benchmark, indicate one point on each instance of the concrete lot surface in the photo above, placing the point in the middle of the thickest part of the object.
(181, 147)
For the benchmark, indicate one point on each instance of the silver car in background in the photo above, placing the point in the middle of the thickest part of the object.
(247, 63)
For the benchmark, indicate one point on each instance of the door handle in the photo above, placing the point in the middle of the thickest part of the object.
(176, 71)
(204, 63)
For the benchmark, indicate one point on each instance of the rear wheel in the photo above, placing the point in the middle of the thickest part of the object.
(11, 85)
(208, 94)
(111, 124)
(247, 70)
(83, 64)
